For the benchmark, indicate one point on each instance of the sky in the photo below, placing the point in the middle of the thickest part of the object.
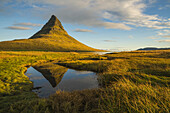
(104, 24)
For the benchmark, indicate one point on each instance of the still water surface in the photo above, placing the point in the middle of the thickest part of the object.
(72, 80)
(99, 53)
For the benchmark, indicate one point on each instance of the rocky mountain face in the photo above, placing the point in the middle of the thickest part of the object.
(53, 26)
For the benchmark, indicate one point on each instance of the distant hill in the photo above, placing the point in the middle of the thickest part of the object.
(52, 37)
(153, 48)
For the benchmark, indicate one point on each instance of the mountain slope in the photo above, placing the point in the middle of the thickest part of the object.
(52, 37)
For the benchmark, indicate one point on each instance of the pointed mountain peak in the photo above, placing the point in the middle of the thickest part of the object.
(53, 16)
(54, 21)
(53, 26)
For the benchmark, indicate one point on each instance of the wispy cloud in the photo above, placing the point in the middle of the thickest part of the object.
(18, 28)
(109, 40)
(164, 33)
(115, 37)
(130, 36)
(82, 30)
(94, 12)
(153, 37)
(163, 40)
(166, 36)
(21, 26)
(166, 6)
(28, 24)
(111, 25)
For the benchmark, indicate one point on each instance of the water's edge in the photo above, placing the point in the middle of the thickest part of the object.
(46, 83)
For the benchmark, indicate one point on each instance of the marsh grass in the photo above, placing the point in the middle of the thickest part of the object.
(140, 68)
(126, 96)
(131, 82)
(13, 82)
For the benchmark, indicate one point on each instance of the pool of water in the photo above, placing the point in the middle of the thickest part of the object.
(99, 53)
(71, 80)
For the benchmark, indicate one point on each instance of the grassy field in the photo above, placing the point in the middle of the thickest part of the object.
(136, 81)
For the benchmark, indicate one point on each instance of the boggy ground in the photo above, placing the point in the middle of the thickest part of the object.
(135, 81)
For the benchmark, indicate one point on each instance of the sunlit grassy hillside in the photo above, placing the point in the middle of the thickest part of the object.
(51, 43)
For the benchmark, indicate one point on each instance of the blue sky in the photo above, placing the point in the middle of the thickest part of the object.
(104, 24)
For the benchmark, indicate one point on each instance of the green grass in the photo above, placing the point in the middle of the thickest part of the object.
(13, 82)
(139, 67)
(127, 96)
(130, 82)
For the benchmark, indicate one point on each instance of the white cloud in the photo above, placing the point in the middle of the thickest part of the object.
(115, 37)
(18, 28)
(109, 40)
(166, 6)
(122, 14)
(110, 25)
(82, 30)
(153, 37)
(163, 40)
(164, 24)
(166, 36)
(28, 24)
(163, 32)
(130, 36)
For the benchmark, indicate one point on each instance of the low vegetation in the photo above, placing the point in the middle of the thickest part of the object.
(136, 81)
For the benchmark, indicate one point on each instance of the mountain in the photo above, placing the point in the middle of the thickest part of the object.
(52, 27)
(153, 48)
(52, 37)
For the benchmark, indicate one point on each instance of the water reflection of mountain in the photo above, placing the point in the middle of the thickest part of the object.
(52, 72)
